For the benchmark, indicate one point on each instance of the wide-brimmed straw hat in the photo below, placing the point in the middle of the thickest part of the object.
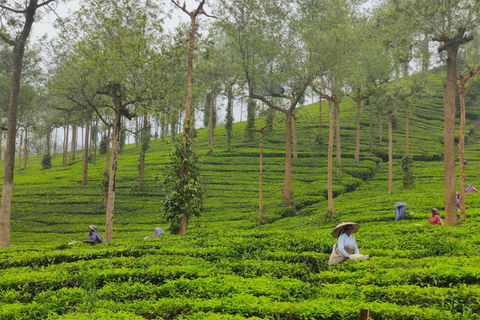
(336, 232)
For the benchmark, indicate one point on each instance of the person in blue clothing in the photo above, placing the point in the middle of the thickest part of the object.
(400, 213)
(158, 232)
(94, 236)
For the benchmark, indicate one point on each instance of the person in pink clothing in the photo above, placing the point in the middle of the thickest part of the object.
(435, 217)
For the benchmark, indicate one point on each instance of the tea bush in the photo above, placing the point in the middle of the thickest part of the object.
(228, 266)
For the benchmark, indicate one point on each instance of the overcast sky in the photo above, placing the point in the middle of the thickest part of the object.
(44, 25)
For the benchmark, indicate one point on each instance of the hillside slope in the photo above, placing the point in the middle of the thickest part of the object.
(230, 267)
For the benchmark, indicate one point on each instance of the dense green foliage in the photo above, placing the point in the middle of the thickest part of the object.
(407, 163)
(228, 266)
(103, 145)
(46, 161)
(182, 183)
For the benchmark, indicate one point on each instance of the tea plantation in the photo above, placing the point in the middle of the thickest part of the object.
(228, 266)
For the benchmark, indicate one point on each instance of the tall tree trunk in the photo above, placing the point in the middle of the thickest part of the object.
(20, 153)
(337, 133)
(74, 142)
(407, 126)
(48, 143)
(136, 128)
(461, 143)
(85, 150)
(229, 116)
(461, 154)
(55, 144)
(143, 151)
(448, 141)
(9, 169)
(380, 126)
(188, 98)
(331, 133)
(90, 140)
(357, 140)
(210, 126)
(295, 154)
(370, 144)
(241, 110)
(390, 154)
(1, 144)
(320, 118)
(25, 149)
(163, 127)
(260, 187)
(288, 157)
(107, 165)
(113, 174)
(65, 145)
(95, 140)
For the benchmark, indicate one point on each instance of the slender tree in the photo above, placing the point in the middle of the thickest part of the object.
(260, 183)
(461, 139)
(27, 10)
(182, 228)
(447, 22)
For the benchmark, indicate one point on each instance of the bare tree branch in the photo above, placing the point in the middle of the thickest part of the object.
(45, 3)
(13, 10)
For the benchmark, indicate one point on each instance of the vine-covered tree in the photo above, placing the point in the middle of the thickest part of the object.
(184, 199)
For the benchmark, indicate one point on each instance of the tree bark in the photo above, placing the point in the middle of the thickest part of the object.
(48, 142)
(357, 140)
(74, 142)
(136, 128)
(113, 174)
(295, 153)
(449, 136)
(407, 126)
(390, 154)
(230, 111)
(461, 143)
(461, 154)
(210, 126)
(95, 140)
(107, 165)
(65, 145)
(370, 144)
(260, 185)
(380, 126)
(25, 149)
(331, 133)
(143, 151)
(85, 151)
(337, 133)
(55, 144)
(319, 118)
(9, 164)
(20, 154)
(188, 98)
(288, 157)
(90, 139)
(163, 127)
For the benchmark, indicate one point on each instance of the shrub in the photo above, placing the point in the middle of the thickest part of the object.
(46, 161)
